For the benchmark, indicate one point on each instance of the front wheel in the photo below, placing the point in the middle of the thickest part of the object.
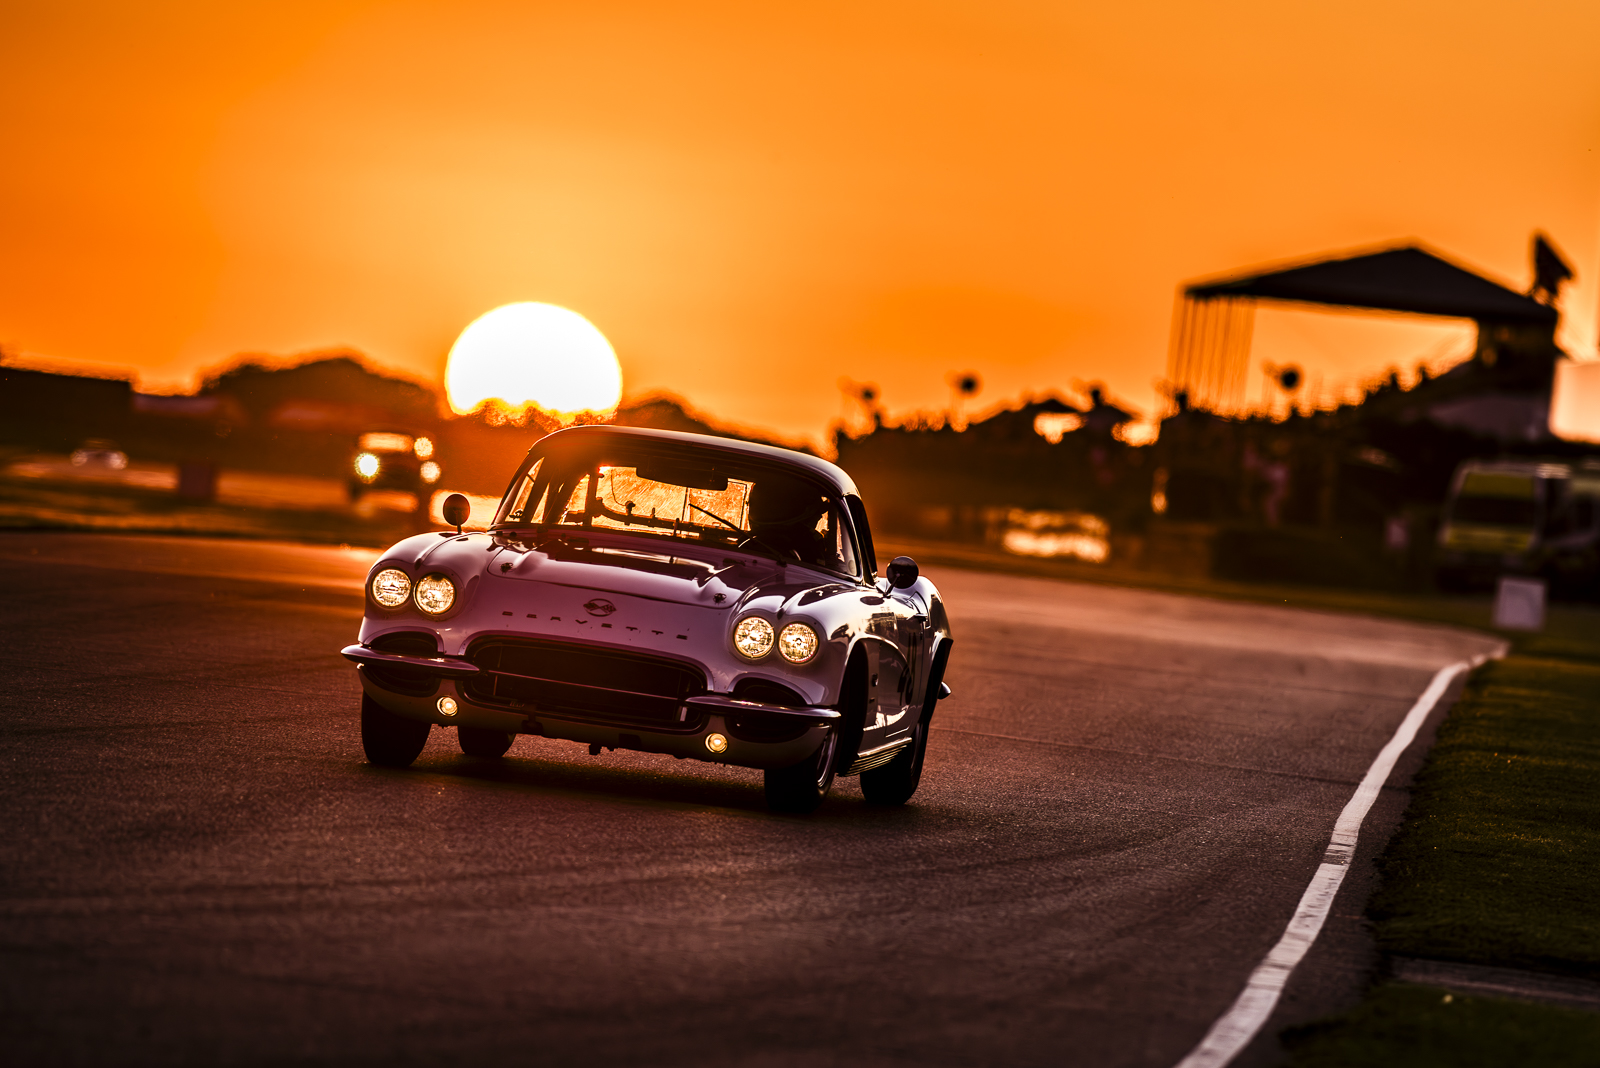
(391, 741)
(484, 741)
(802, 787)
(896, 781)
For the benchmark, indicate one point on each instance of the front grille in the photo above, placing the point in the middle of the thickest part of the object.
(579, 681)
(398, 679)
(407, 643)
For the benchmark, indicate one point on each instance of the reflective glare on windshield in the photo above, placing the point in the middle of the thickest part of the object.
(784, 517)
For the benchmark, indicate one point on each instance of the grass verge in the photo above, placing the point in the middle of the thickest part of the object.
(1497, 860)
(1569, 628)
(1495, 865)
(1420, 1027)
(39, 505)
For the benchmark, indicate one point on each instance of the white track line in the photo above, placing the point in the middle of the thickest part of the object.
(1236, 1027)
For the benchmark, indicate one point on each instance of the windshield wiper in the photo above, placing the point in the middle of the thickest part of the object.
(725, 522)
(751, 539)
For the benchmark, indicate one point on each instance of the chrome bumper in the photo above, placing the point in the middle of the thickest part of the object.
(734, 720)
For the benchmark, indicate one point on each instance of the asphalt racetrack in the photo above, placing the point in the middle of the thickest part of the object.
(1122, 805)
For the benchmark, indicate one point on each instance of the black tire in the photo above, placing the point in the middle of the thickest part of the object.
(484, 742)
(801, 788)
(391, 741)
(896, 781)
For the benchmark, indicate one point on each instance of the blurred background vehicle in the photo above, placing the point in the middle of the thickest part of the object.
(393, 460)
(99, 452)
(1521, 518)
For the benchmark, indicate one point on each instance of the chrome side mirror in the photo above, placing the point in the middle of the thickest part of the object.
(902, 572)
(456, 509)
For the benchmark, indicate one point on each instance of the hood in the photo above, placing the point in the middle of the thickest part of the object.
(706, 580)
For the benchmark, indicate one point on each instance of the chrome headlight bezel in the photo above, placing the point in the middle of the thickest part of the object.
(428, 592)
(398, 592)
(753, 637)
(798, 643)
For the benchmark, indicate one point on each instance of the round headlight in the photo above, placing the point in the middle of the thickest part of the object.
(367, 466)
(797, 643)
(435, 595)
(753, 637)
(390, 588)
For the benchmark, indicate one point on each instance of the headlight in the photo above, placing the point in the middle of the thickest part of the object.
(435, 595)
(753, 637)
(391, 588)
(797, 643)
(430, 472)
(367, 466)
(423, 448)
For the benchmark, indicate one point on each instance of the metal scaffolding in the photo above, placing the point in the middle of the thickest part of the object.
(1210, 350)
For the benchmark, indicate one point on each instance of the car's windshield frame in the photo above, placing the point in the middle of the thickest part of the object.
(584, 464)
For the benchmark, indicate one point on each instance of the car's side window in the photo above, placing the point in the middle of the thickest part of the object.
(577, 502)
(525, 505)
(863, 543)
(834, 532)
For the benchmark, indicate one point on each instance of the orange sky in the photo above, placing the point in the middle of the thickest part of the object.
(752, 203)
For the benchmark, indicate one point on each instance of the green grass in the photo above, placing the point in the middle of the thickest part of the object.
(1498, 858)
(1574, 629)
(1420, 1027)
(39, 505)
(1496, 864)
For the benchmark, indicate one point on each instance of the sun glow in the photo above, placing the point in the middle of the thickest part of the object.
(533, 353)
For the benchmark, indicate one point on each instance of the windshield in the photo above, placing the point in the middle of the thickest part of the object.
(711, 501)
(1495, 511)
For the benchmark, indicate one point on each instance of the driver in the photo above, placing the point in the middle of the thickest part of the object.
(785, 513)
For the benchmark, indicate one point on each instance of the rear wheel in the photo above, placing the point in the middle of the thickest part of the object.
(484, 741)
(896, 781)
(802, 787)
(391, 741)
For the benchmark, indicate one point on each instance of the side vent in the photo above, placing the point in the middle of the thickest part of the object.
(875, 759)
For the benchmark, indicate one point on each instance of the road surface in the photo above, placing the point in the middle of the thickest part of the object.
(1121, 808)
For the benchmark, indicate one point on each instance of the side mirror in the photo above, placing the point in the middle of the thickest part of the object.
(456, 509)
(902, 572)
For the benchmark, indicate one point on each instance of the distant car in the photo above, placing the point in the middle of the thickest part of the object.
(1522, 517)
(668, 593)
(98, 452)
(391, 459)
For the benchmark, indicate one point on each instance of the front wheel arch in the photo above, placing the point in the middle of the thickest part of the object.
(941, 660)
(852, 706)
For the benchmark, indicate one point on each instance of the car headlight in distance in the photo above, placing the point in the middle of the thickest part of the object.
(435, 595)
(430, 472)
(797, 643)
(753, 637)
(367, 466)
(390, 588)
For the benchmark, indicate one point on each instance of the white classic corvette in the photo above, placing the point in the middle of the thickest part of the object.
(668, 593)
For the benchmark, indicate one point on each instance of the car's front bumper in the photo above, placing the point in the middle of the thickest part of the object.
(756, 735)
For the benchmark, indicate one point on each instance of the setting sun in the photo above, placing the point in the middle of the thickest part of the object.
(533, 353)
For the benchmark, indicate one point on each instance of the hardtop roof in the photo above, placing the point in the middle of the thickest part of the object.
(816, 468)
